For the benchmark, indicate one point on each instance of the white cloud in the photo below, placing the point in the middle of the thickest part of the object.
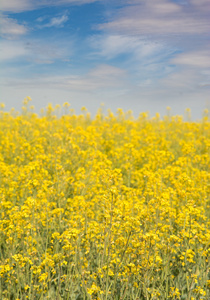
(105, 71)
(54, 22)
(144, 59)
(78, 1)
(58, 21)
(163, 7)
(103, 76)
(35, 51)
(11, 50)
(41, 19)
(160, 17)
(198, 59)
(203, 5)
(25, 5)
(16, 5)
(187, 81)
(112, 45)
(9, 28)
(182, 80)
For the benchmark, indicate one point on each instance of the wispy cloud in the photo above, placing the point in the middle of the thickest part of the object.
(146, 54)
(58, 21)
(16, 5)
(200, 59)
(161, 17)
(103, 76)
(145, 59)
(10, 28)
(11, 50)
(203, 5)
(35, 51)
(26, 5)
(112, 45)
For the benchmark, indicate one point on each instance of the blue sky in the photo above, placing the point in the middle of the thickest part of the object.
(142, 55)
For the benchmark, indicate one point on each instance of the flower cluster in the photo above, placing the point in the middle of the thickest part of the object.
(113, 207)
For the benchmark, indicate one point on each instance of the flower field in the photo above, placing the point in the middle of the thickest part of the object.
(113, 207)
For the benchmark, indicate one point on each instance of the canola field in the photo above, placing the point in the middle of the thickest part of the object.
(113, 207)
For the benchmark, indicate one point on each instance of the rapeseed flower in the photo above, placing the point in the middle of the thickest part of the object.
(106, 208)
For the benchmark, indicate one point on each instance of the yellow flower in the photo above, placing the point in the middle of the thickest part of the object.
(109, 201)
(65, 104)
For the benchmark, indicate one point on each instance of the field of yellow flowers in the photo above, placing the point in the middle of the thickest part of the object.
(113, 207)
